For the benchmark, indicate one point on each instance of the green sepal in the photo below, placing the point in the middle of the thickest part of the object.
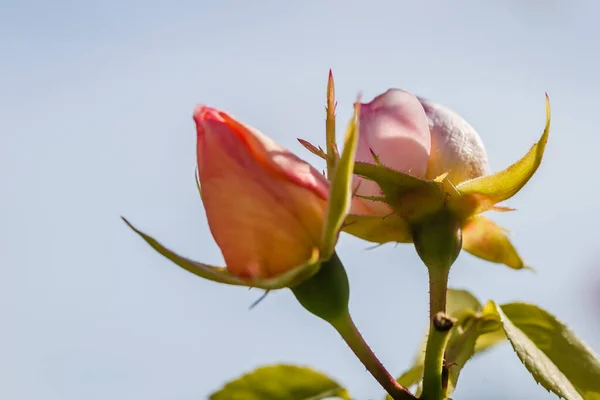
(282, 382)
(330, 140)
(413, 198)
(481, 194)
(198, 186)
(391, 228)
(317, 151)
(222, 275)
(485, 239)
(556, 358)
(326, 294)
(340, 191)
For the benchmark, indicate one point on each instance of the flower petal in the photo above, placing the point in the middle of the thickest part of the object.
(267, 151)
(265, 207)
(483, 238)
(394, 127)
(456, 147)
(394, 132)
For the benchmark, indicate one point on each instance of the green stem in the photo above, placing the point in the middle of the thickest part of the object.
(438, 240)
(439, 332)
(438, 288)
(346, 328)
(326, 295)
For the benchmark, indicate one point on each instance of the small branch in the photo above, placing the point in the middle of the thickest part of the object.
(346, 328)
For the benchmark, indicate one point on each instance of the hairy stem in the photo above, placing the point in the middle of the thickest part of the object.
(346, 328)
(438, 288)
(438, 241)
(439, 332)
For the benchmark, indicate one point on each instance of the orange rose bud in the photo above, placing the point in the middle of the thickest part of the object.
(265, 206)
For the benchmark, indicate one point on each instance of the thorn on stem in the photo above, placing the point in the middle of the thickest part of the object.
(445, 375)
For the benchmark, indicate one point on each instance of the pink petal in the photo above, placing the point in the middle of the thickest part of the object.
(394, 127)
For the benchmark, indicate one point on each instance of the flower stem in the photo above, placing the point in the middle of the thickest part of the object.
(438, 288)
(438, 241)
(439, 332)
(346, 328)
(326, 295)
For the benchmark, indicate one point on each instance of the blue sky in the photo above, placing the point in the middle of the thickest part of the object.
(96, 102)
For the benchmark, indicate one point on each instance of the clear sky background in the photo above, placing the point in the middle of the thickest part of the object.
(96, 102)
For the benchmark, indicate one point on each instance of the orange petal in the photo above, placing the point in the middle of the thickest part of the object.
(265, 207)
(262, 148)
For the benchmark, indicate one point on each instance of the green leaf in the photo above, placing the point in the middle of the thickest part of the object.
(340, 192)
(557, 359)
(412, 376)
(222, 275)
(461, 303)
(281, 382)
(465, 337)
(489, 339)
(477, 329)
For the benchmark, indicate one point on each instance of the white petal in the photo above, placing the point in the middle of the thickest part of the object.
(455, 145)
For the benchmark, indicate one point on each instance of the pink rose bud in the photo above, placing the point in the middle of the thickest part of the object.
(416, 137)
(265, 207)
(394, 127)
